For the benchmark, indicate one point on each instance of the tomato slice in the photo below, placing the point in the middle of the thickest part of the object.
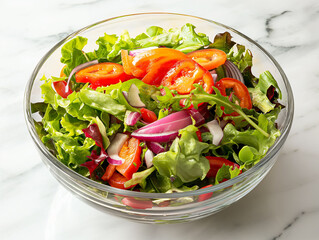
(216, 163)
(157, 70)
(102, 74)
(144, 59)
(148, 115)
(128, 66)
(239, 89)
(184, 74)
(130, 152)
(60, 88)
(209, 58)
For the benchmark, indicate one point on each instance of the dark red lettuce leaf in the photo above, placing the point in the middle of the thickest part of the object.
(95, 160)
(93, 132)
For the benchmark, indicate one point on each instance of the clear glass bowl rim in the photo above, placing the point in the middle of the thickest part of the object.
(270, 154)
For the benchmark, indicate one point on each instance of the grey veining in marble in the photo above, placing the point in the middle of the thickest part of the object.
(284, 206)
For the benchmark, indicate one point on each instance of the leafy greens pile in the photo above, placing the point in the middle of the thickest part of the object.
(247, 136)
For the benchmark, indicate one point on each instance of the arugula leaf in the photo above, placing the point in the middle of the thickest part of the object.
(184, 160)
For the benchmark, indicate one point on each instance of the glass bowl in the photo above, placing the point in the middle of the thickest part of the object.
(159, 207)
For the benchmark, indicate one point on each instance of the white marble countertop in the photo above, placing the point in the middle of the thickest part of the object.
(284, 206)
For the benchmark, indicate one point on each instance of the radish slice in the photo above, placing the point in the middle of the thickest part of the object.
(155, 147)
(115, 147)
(232, 71)
(133, 53)
(133, 98)
(132, 118)
(78, 68)
(216, 131)
(149, 155)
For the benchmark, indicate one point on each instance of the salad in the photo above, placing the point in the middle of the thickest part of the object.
(165, 111)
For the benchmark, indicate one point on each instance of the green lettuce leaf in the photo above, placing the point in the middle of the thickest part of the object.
(226, 172)
(139, 178)
(255, 144)
(240, 56)
(185, 40)
(191, 40)
(223, 42)
(102, 102)
(72, 54)
(259, 93)
(184, 160)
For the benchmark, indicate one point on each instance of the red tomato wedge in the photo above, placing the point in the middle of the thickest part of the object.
(184, 74)
(239, 89)
(130, 152)
(205, 196)
(102, 74)
(117, 180)
(209, 58)
(148, 115)
(216, 163)
(60, 88)
(109, 171)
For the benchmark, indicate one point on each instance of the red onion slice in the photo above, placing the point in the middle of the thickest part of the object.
(170, 123)
(216, 131)
(214, 75)
(156, 137)
(115, 147)
(138, 51)
(133, 98)
(78, 68)
(132, 118)
(149, 155)
(155, 147)
(200, 120)
(232, 71)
